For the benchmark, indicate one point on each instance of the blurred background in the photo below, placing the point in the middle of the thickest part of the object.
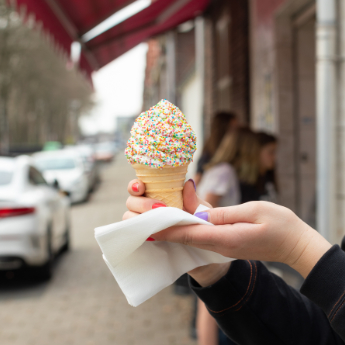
(74, 75)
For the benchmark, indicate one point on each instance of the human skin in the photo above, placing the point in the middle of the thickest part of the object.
(268, 157)
(256, 230)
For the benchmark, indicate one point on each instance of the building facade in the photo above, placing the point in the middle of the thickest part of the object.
(261, 59)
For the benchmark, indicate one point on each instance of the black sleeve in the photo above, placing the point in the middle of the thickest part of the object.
(325, 286)
(254, 306)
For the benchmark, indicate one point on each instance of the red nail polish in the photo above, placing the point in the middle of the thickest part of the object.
(135, 187)
(158, 205)
(150, 239)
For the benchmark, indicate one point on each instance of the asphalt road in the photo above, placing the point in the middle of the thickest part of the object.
(82, 304)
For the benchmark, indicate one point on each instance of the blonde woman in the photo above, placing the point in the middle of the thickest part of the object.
(235, 162)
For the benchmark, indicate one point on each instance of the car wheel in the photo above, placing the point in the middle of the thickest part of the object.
(45, 271)
(67, 245)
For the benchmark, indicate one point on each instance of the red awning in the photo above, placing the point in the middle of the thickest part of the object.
(68, 20)
(161, 16)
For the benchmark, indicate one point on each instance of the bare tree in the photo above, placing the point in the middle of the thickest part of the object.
(40, 98)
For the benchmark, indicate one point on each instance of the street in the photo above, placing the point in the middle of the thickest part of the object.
(83, 304)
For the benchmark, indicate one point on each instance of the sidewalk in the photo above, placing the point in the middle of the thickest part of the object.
(82, 304)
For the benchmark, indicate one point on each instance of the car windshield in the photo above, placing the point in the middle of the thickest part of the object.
(55, 164)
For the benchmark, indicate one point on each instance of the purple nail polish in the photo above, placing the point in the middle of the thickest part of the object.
(193, 183)
(202, 215)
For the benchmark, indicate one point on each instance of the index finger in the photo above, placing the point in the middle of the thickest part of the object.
(190, 235)
(136, 187)
(244, 213)
(227, 240)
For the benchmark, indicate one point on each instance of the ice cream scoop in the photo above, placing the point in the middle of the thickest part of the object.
(161, 137)
(160, 149)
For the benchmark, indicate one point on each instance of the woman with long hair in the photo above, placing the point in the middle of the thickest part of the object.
(222, 123)
(265, 187)
(235, 161)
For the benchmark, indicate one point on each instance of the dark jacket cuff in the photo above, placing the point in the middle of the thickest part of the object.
(237, 294)
(326, 282)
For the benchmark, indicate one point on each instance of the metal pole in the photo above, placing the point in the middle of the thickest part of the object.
(326, 116)
(341, 124)
(200, 69)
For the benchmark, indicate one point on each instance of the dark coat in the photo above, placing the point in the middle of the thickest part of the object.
(254, 306)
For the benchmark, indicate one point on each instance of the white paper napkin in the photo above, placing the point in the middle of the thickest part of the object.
(143, 268)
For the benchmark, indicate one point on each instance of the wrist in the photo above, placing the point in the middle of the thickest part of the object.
(209, 274)
(311, 248)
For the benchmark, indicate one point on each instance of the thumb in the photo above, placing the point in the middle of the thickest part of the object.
(191, 201)
(244, 213)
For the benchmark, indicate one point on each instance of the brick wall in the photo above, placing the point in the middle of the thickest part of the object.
(155, 74)
(151, 86)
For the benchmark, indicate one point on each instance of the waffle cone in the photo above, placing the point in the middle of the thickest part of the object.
(164, 184)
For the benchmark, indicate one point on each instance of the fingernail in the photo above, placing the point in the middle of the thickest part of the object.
(158, 205)
(135, 187)
(202, 215)
(150, 239)
(193, 183)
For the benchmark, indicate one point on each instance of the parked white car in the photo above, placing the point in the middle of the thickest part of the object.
(105, 151)
(64, 168)
(34, 218)
(91, 167)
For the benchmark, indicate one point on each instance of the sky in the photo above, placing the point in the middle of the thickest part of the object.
(118, 91)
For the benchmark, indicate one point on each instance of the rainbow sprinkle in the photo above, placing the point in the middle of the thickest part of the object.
(161, 137)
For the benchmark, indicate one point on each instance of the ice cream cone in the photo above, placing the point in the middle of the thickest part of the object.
(165, 184)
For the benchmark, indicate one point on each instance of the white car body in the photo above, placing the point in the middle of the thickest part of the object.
(105, 151)
(86, 152)
(72, 177)
(33, 215)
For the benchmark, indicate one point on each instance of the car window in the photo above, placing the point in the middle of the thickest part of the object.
(5, 177)
(6, 172)
(35, 177)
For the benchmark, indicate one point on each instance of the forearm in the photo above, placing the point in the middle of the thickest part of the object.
(209, 274)
(253, 306)
(308, 251)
